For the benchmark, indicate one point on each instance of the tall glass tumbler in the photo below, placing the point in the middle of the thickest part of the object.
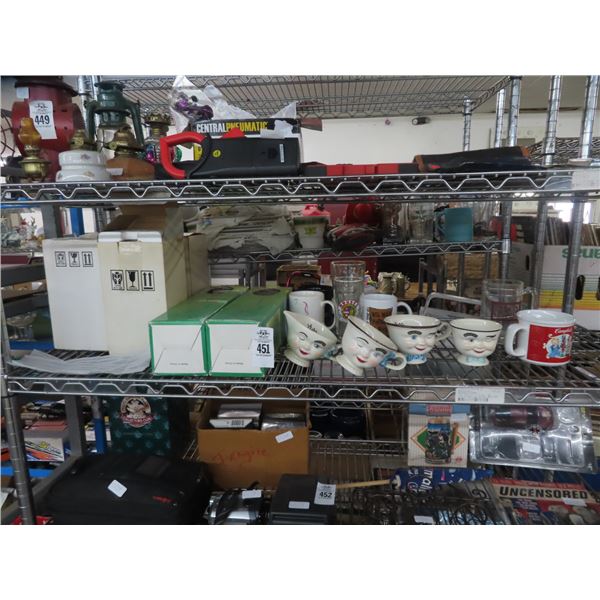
(348, 286)
(420, 222)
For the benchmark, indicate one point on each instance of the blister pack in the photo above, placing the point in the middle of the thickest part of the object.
(535, 436)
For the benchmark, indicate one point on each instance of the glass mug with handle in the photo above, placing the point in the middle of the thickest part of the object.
(502, 299)
(310, 303)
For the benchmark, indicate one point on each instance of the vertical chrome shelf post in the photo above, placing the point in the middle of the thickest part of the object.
(537, 255)
(585, 145)
(511, 140)
(14, 433)
(467, 115)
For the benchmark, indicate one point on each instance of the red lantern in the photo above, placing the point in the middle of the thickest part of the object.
(48, 101)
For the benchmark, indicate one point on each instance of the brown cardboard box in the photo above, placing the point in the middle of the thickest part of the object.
(239, 457)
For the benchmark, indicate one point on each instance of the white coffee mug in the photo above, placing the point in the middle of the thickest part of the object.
(374, 308)
(365, 347)
(307, 339)
(544, 337)
(475, 340)
(310, 303)
(416, 335)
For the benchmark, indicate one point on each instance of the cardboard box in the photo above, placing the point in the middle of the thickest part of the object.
(45, 441)
(231, 330)
(239, 457)
(196, 262)
(143, 273)
(178, 337)
(587, 299)
(438, 435)
(75, 293)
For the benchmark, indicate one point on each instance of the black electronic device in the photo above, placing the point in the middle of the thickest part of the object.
(294, 503)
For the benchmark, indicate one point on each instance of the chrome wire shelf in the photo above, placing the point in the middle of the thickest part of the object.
(565, 149)
(330, 97)
(522, 185)
(326, 384)
(375, 251)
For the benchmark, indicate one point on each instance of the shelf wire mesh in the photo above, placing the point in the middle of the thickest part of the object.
(330, 96)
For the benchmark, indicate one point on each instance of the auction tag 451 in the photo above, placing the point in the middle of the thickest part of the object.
(325, 494)
(263, 348)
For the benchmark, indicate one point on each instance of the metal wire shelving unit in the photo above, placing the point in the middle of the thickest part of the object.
(330, 97)
(373, 251)
(326, 384)
(516, 186)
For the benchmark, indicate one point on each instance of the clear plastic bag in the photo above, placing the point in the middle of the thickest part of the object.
(189, 104)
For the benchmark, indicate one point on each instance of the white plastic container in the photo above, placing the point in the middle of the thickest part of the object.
(311, 231)
(82, 165)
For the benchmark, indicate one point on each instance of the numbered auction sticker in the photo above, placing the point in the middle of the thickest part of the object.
(479, 395)
(263, 348)
(325, 494)
(41, 111)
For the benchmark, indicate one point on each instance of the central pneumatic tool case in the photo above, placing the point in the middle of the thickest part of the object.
(232, 155)
(158, 491)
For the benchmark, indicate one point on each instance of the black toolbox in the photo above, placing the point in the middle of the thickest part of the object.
(130, 489)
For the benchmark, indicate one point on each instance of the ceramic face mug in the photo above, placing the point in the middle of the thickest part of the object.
(365, 347)
(311, 304)
(416, 335)
(475, 340)
(544, 337)
(374, 308)
(307, 339)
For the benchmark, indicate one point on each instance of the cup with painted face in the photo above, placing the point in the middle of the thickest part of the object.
(365, 347)
(416, 335)
(307, 339)
(475, 340)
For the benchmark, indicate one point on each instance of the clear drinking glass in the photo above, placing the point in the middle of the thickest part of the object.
(502, 299)
(348, 286)
(420, 222)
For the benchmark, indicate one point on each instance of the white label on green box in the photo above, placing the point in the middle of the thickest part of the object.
(263, 348)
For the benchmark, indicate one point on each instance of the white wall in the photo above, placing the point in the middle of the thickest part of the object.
(372, 140)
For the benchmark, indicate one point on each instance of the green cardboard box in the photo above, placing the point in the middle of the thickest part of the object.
(148, 425)
(229, 333)
(177, 337)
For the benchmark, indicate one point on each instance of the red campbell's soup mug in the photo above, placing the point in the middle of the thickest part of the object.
(543, 337)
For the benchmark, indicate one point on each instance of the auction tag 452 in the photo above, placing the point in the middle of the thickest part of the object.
(263, 348)
(325, 494)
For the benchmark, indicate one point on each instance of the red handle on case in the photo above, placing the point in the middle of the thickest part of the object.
(167, 142)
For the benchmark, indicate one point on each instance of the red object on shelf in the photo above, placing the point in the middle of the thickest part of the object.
(38, 520)
(496, 226)
(67, 116)
(315, 169)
